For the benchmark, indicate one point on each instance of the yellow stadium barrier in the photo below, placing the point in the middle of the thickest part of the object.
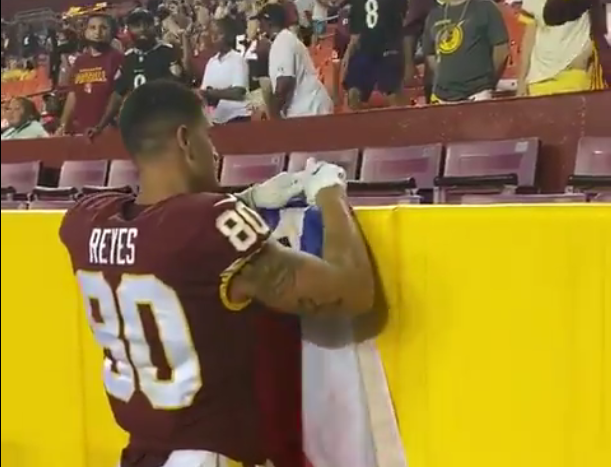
(497, 349)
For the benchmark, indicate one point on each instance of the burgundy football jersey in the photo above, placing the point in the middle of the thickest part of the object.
(179, 357)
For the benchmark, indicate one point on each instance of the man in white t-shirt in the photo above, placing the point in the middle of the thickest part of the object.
(554, 59)
(297, 91)
(320, 11)
(225, 83)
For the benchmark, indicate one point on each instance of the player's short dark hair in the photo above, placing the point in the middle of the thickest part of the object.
(153, 113)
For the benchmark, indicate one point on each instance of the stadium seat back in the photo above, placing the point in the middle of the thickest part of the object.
(592, 174)
(52, 204)
(422, 163)
(22, 176)
(122, 173)
(494, 158)
(81, 173)
(602, 198)
(243, 170)
(346, 158)
(7, 205)
(487, 167)
(524, 199)
(384, 200)
(593, 156)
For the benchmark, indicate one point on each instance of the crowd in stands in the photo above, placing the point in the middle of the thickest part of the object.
(67, 72)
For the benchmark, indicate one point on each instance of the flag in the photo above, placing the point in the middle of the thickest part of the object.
(347, 418)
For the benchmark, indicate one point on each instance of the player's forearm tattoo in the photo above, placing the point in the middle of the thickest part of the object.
(273, 278)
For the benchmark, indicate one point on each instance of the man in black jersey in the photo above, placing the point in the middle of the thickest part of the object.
(375, 54)
(149, 60)
(257, 57)
(255, 49)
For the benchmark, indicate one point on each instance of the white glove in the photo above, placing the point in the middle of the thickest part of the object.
(274, 193)
(319, 175)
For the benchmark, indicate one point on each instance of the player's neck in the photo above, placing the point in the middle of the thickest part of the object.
(153, 192)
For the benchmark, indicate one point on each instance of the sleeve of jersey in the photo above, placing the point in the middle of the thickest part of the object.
(121, 81)
(356, 19)
(239, 233)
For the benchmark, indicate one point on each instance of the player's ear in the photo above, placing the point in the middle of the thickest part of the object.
(183, 139)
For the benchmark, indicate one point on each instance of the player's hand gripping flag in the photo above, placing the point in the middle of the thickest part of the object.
(274, 193)
(318, 175)
(279, 190)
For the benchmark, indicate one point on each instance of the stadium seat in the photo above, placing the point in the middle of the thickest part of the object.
(122, 173)
(21, 177)
(383, 200)
(73, 177)
(524, 199)
(422, 163)
(592, 172)
(241, 171)
(89, 189)
(51, 204)
(602, 198)
(45, 193)
(487, 167)
(347, 158)
(12, 205)
(78, 174)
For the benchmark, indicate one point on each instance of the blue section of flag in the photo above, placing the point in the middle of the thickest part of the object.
(310, 230)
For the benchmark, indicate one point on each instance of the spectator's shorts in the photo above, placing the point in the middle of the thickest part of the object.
(319, 27)
(368, 70)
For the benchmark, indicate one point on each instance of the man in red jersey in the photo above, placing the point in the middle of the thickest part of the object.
(172, 278)
(92, 78)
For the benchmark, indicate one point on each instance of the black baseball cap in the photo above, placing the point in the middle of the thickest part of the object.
(139, 16)
(272, 12)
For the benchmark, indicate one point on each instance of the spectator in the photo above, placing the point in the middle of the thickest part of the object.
(291, 15)
(320, 12)
(23, 121)
(374, 55)
(65, 54)
(558, 12)
(51, 44)
(4, 124)
(5, 43)
(553, 59)
(52, 112)
(221, 10)
(149, 60)
(297, 91)
(91, 82)
(178, 15)
(254, 47)
(466, 44)
(202, 13)
(30, 45)
(225, 83)
(415, 20)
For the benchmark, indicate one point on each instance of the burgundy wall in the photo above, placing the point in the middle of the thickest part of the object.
(558, 121)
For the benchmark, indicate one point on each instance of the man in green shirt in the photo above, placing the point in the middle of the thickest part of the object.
(467, 45)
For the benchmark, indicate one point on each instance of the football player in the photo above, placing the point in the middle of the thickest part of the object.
(374, 57)
(172, 278)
